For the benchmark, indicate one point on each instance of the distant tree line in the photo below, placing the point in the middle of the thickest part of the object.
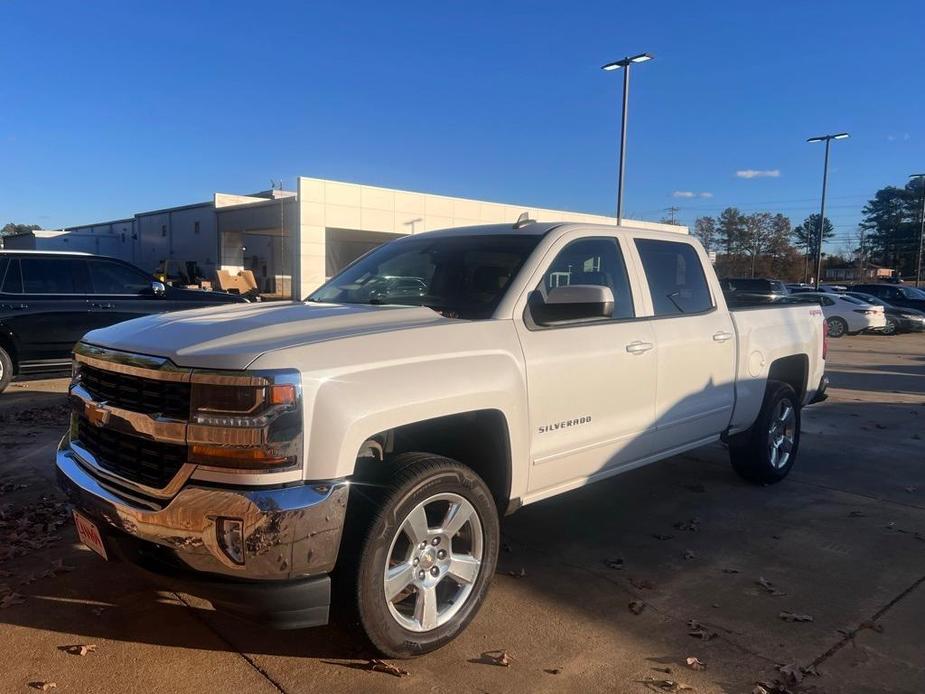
(764, 244)
(12, 228)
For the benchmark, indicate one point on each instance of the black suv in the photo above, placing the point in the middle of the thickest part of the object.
(895, 294)
(49, 300)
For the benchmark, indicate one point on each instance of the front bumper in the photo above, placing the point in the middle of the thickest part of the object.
(291, 537)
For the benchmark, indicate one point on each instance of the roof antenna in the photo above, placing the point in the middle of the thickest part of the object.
(523, 220)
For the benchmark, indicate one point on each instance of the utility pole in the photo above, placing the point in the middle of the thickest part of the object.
(861, 258)
(672, 211)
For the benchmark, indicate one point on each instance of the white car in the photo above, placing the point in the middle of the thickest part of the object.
(846, 315)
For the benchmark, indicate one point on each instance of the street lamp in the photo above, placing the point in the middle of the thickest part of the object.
(825, 175)
(626, 63)
(918, 252)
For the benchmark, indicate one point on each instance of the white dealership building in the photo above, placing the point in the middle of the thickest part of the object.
(328, 223)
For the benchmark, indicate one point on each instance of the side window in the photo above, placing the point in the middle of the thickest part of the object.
(115, 278)
(13, 282)
(3, 264)
(826, 301)
(54, 276)
(675, 277)
(597, 261)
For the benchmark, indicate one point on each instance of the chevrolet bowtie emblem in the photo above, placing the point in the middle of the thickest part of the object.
(97, 413)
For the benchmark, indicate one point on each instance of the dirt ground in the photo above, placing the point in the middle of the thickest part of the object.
(715, 565)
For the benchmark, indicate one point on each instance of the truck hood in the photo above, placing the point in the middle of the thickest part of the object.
(231, 337)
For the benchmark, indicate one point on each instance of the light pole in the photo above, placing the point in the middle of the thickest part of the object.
(825, 176)
(918, 250)
(610, 67)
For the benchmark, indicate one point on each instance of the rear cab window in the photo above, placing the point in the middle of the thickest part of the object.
(674, 274)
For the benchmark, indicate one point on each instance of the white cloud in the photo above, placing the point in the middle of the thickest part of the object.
(683, 194)
(891, 138)
(706, 195)
(758, 173)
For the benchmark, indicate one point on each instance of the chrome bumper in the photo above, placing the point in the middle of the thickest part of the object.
(289, 532)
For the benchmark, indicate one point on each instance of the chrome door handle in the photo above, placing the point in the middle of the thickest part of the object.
(722, 336)
(639, 347)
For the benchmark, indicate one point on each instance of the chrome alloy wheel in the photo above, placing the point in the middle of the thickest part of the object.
(781, 433)
(433, 562)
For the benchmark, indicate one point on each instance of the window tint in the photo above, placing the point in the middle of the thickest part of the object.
(13, 282)
(115, 278)
(3, 263)
(675, 277)
(54, 276)
(596, 261)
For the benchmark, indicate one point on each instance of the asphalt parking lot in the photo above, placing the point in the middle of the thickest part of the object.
(710, 564)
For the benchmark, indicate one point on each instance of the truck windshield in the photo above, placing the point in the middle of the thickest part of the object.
(457, 276)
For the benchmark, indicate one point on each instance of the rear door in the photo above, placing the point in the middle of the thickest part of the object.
(46, 299)
(591, 386)
(696, 343)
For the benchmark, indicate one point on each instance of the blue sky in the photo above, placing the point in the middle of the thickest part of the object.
(108, 108)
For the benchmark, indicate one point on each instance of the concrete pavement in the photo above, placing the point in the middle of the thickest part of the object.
(842, 540)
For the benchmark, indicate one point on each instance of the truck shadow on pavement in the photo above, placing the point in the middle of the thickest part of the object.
(688, 541)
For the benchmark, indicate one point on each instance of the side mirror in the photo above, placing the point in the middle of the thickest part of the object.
(573, 303)
(159, 289)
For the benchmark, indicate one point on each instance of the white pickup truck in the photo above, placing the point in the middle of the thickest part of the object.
(369, 438)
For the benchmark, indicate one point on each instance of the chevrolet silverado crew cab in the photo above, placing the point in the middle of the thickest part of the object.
(367, 440)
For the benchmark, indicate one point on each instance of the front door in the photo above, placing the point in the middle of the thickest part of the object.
(591, 385)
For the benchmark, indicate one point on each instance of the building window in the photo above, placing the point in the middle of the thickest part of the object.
(163, 230)
(195, 227)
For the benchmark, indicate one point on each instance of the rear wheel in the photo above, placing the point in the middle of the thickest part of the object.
(837, 327)
(766, 454)
(891, 327)
(428, 555)
(6, 369)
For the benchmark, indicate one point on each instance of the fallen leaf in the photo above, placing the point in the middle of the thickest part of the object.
(810, 671)
(698, 631)
(502, 658)
(795, 617)
(666, 670)
(668, 685)
(695, 663)
(43, 686)
(377, 665)
(637, 606)
(553, 671)
(688, 555)
(78, 649)
(759, 689)
(873, 626)
(769, 587)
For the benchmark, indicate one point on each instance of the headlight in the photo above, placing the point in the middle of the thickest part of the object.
(249, 422)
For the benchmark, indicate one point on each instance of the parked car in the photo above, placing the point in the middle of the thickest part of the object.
(846, 315)
(898, 320)
(896, 294)
(49, 300)
(763, 290)
(408, 420)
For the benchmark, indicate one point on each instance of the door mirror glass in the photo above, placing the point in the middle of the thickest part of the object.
(158, 288)
(573, 303)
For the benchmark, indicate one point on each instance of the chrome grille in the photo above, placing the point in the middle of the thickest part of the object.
(145, 395)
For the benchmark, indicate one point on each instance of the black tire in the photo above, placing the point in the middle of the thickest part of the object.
(837, 327)
(751, 455)
(418, 477)
(891, 327)
(6, 369)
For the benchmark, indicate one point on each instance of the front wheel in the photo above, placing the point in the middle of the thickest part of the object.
(891, 328)
(767, 453)
(428, 556)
